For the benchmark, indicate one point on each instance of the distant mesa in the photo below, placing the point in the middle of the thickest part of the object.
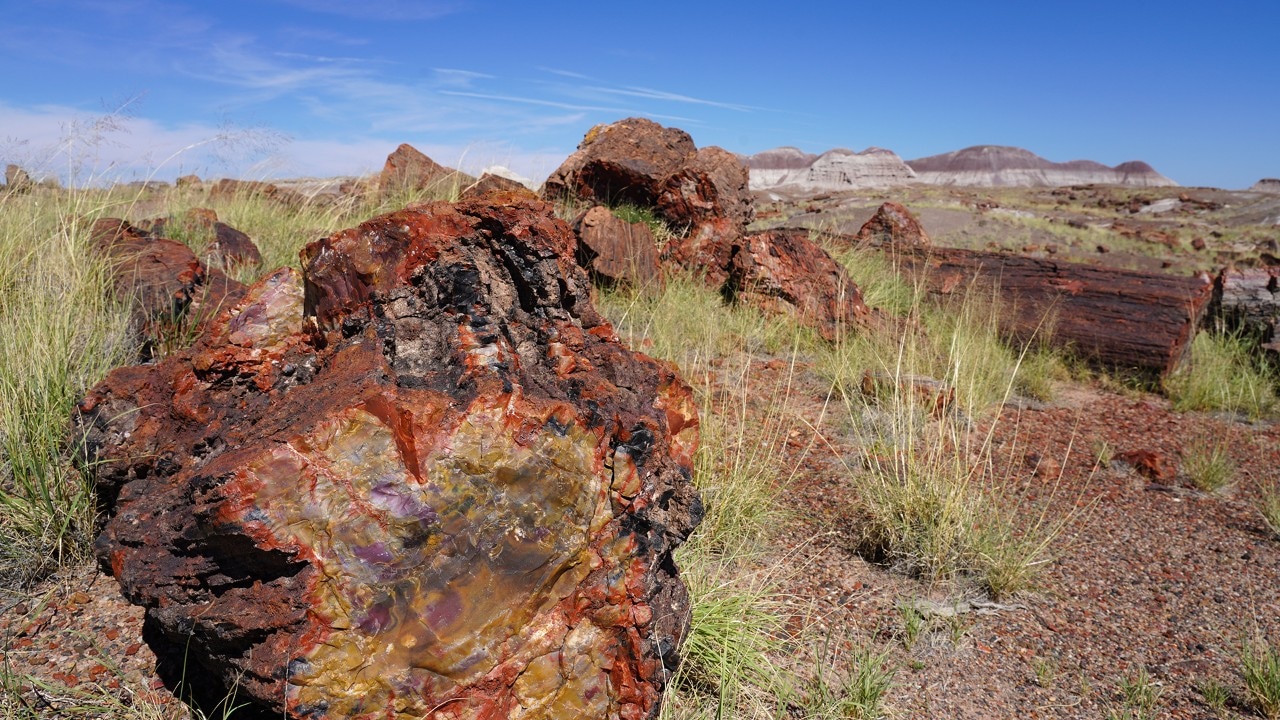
(1001, 166)
(1267, 185)
(792, 169)
(839, 169)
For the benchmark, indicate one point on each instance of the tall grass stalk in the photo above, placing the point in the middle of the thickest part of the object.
(59, 333)
(932, 499)
(1260, 664)
(1221, 373)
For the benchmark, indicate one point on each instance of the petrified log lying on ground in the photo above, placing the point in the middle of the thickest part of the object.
(423, 480)
(1114, 318)
(1249, 300)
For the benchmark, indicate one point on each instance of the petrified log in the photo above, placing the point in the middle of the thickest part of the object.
(421, 480)
(1248, 300)
(167, 286)
(616, 252)
(1114, 318)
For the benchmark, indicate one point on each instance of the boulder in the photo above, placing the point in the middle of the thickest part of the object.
(893, 225)
(615, 251)
(422, 478)
(228, 189)
(490, 183)
(712, 185)
(777, 271)
(623, 162)
(639, 162)
(784, 271)
(184, 181)
(172, 293)
(407, 168)
(17, 180)
(227, 246)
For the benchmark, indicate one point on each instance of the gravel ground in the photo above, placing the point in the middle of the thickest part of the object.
(1145, 577)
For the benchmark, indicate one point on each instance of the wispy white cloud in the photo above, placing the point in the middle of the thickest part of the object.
(458, 78)
(565, 73)
(651, 94)
(532, 101)
(385, 10)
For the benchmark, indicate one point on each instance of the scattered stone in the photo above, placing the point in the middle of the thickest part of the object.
(489, 184)
(185, 181)
(1149, 464)
(784, 271)
(895, 226)
(639, 162)
(16, 180)
(937, 395)
(1043, 466)
(172, 292)
(148, 186)
(432, 479)
(407, 168)
(228, 189)
(228, 247)
(615, 251)
(1198, 244)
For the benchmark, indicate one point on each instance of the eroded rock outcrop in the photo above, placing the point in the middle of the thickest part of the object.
(832, 171)
(997, 166)
(230, 189)
(421, 479)
(1267, 185)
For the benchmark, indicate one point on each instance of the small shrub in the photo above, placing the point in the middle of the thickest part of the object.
(1045, 671)
(662, 233)
(871, 680)
(1260, 664)
(1216, 695)
(1268, 504)
(1208, 465)
(1140, 694)
(1222, 374)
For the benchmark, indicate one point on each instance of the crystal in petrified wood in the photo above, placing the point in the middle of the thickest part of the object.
(420, 479)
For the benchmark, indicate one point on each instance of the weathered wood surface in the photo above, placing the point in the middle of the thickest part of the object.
(1113, 318)
(1249, 300)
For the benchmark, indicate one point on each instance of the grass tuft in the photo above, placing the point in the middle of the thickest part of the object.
(1260, 664)
(59, 333)
(1221, 373)
(1209, 465)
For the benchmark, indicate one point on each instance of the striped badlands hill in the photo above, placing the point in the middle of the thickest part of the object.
(999, 166)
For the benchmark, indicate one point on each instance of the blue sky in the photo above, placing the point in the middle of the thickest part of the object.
(281, 88)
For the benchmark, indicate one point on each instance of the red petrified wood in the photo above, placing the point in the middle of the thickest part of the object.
(1115, 318)
(423, 479)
